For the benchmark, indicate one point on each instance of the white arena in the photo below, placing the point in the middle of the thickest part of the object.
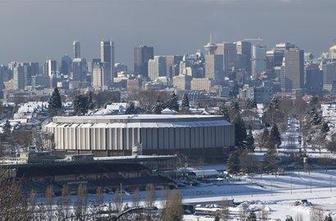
(155, 134)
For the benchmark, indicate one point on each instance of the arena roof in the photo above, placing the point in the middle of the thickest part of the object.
(138, 118)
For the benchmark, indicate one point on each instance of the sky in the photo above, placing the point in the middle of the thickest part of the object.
(34, 30)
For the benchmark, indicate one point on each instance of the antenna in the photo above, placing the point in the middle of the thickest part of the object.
(210, 37)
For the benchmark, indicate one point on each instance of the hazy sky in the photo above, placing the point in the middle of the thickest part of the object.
(33, 30)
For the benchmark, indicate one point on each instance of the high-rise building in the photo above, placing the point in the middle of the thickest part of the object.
(332, 52)
(76, 49)
(157, 67)
(244, 55)
(314, 80)
(142, 54)
(20, 73)
(50, 67)
(79, 70)
(172, 65)
(329, 74)
(107, 57)
(98, 78)
(66, 65)
(258, 60)
(229, 52)
(214, 68)
(294, 69)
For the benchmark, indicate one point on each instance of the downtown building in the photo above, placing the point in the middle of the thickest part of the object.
(142, 54)
(293, 70)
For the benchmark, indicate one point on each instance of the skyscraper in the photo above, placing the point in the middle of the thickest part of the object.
(79, 71)
(258, 60)
(229, 52)
(314, 80)
(294, 69)
(244, 55)
(66, 65)
(142, 54)
(157, 67)
(50, 67)
(98, 80)
(214, 62)
(20, 73)
(76, 49)
(107, 57)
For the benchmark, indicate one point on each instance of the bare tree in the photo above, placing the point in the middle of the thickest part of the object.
(81, 203)
(173, 210)
(118, 200)
(49, 195)
(224, 212)
(136, 197)
(150, 196)
(316, 214)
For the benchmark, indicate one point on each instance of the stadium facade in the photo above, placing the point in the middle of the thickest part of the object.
(155, 134)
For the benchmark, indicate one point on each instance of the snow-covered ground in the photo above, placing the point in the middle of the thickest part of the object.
(277, 193)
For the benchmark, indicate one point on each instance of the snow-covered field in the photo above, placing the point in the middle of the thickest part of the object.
(276, 193)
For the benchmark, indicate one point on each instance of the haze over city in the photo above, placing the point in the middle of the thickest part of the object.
(35, 30)
(168, 110)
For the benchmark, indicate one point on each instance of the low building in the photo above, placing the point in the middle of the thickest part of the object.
(193, 135)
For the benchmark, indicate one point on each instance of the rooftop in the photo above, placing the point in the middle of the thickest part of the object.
(136, 118)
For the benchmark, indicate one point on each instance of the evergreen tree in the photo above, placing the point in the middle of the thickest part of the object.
(185, 102)
(7, 128)
(216, 218)
(265, 137)
(91, 105)
(131, 109)
(328, 218)
(172, 102)
(252, 217)
(55, 103)
(325, 128)
(158, 107)
(233, 163)
(240, 131)
(271, 160)
(250, 140)
(289, 218)
(81, 105)
(224, 111)
(275, 137)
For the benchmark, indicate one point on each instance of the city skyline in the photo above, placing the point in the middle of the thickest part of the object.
(169, 33)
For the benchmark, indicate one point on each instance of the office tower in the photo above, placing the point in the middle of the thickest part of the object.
(229, 52)
(50, 67)
(258, 60)
(294, 69)
(332, 52)
(20, 75)
(157, 67)
(142, 54)
(6, 73)
(329, 74)
(172, 65)
(66, 65)
(79, 70)
(99, 79)
(34, 68)
(244, 55)
(182, 82)
(76, 49)
(107, 57)
(214, 68)
(314, 80)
